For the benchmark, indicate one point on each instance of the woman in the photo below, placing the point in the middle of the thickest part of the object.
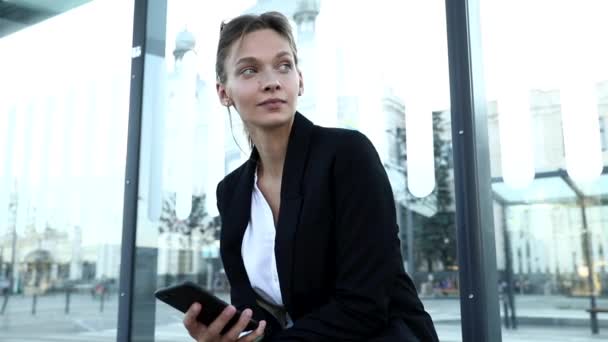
(309, 240)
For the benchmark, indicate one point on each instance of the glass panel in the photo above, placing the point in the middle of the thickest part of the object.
(551, 232)
(366, 77)
(63, 119)
(550, 189)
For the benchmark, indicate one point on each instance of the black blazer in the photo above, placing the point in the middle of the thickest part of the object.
(337, 246)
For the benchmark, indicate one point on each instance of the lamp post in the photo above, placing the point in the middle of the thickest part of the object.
(589, 261)
(587, 250)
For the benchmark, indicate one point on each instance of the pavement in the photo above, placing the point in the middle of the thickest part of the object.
(541, 318)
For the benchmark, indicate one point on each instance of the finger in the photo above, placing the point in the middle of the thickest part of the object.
(240, 325)
(220, 322)
(256, 333)
(193, 326)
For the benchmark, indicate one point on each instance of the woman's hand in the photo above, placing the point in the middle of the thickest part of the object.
(211, 333)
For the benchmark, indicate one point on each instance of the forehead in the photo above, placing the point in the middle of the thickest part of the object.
(261, 44)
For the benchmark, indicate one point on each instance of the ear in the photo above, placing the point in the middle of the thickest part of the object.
(301, 84)
(222, 94)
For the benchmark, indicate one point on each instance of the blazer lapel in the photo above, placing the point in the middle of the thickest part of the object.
(291, 202)
(238, 212)
(235, 223)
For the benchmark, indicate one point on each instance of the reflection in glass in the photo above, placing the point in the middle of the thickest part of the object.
(516, 137)
(581, 131)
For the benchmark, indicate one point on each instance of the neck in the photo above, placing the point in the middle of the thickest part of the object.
(272, 148)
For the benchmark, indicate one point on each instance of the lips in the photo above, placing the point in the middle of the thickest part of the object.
(271, 102)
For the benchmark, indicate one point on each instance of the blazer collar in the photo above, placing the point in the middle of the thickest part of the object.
(289, 213)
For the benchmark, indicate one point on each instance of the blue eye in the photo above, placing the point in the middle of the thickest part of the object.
(248, 71)
(285, 67)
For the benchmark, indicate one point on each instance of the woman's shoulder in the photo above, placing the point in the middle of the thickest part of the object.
(344, 140)
(230, 179)
(340, 136)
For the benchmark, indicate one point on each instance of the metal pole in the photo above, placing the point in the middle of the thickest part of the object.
(587, 247)
(4, 302)
(589, 261)
(409, 231)
(67, 300)
(34, 302)
(138, 264)
(480, 309)
(505, 310)
(509, 295)
(127, 258)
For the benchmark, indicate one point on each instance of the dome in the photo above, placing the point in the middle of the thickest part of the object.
(306, 10)
(38, 256)
(307, 6)
(184, 41)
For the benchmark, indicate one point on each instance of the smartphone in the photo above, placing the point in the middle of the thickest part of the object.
(183, 295)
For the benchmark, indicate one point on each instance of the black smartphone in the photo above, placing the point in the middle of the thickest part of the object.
(183, 295)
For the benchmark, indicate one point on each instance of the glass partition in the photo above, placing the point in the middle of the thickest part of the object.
(378, 75)
(63, 118)
(547, 107)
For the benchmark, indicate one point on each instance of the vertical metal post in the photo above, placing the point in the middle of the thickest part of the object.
(480, 313)
(127, 270)
(509, 295)
(68, 291)
(409, 231)
(4, 301)
(506, 311)
(587, 252)
(138, 274)
(34, 303)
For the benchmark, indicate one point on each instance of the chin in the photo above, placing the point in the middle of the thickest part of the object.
(273, 119)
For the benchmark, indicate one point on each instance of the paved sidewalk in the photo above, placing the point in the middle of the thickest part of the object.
(540, 317)
(452, 333)
(175, 332)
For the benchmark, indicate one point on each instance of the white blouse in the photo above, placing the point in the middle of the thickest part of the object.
(258, 251)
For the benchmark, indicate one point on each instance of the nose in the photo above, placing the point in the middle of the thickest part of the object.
(271, 84)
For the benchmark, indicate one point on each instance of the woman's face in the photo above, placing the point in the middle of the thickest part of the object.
(262, 80)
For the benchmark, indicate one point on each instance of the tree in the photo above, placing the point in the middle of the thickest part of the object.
(437, 234)
(196, 220)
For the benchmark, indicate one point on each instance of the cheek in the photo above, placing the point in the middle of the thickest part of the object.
(245, 95)
(240, 91)
(294, 82)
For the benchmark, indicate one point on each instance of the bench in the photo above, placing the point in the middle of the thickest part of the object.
(597, 310)
(595, 328)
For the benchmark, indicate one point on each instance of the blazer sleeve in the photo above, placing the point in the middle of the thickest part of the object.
(365, 228)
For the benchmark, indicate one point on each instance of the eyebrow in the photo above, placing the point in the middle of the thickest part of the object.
(253, 59)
